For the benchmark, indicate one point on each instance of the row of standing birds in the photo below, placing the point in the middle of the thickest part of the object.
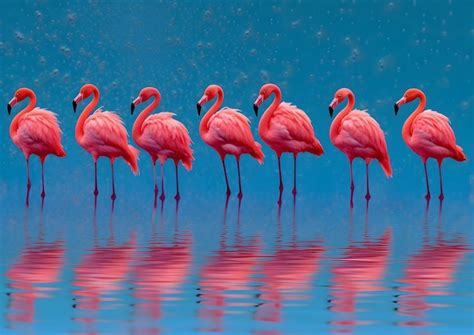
(283, 127)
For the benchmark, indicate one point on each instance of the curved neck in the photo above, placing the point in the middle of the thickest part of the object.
(137, 126)
(267, 115)
(85, 113)
(407, 126)
(204, 125)
(28, 108)
(335, 126)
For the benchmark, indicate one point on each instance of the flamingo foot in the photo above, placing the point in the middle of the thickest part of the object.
(428, 196)
(441, 196)
(113, 196)
(177, 197)
(294, 191)
(240, 195)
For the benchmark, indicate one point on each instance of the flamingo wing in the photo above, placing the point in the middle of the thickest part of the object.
(434, 128)
(360, 130)
(40, 126)
(166, 133)
(106, 129)
(231, 126)
(289, 123)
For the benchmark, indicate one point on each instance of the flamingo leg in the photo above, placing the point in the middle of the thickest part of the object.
(28, 181)
(367, 194)
(162, 196)
(225, 175)
(114, 195)
(279, 173)
(428, 194)
(441, 194)
(237, 158)
(43, 193)
(155, 179)
(96, 189)
(176, 169)
(294, 175)
(352, 184)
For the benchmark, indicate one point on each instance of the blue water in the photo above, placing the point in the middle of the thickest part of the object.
(396, 266)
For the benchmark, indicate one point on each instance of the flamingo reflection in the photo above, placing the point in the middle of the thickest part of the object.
(358, 273)
(227, 275)
(101, 273)
(287, 273)
(160, 270)
(428, 272)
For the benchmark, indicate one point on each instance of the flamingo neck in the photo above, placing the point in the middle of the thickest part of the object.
(407, 129)
(264, 124)
(204, 125)
(85, 113)
(28, 108)
(137, 130)
(335, 126)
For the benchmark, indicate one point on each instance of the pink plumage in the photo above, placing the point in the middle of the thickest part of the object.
(429, 134)
(162, 136)
(357, 134)
(35, 131)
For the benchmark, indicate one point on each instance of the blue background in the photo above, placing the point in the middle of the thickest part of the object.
(310, 49)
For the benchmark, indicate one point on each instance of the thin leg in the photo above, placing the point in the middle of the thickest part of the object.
(96, 189)
(155, 179)
(113, 196)
(279, 174)
(238, 172)
(441, 194)
(176, 169)
(43, 193)
(294, 174)
(28, 182)
(367, 194)
(162, 196)
(225, 175)
(352, 184)
(428, 194)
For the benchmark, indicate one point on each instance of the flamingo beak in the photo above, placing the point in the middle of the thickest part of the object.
(332, 106)
(257, 104)
(12, 103)
(397, 105)
(201, 102)
(135, 103)
(77, 100)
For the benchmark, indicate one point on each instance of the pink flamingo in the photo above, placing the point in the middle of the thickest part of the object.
(103, 134)
(357, 134)
(227, 131)
(429, 134)
(285, 128)
(161, 136)
(35, 131)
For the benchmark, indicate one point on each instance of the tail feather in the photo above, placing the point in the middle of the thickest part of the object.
(459, 156)
(316, 148)
(386, 166)
(131, 156)
(187, 160)
(60, 152)
(257, 153)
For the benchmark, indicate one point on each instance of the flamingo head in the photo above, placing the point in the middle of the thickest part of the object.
(339, 97)
(144, 95)
(209, 94)
(410, 95)
(265, 91)
(20, 94)
(85, 92)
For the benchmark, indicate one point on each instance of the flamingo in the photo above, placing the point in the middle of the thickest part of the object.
(35, 131)
(227, 131)
(429, 134)
(285, 128)
(161, 136)
(357, 134)
(103, 134)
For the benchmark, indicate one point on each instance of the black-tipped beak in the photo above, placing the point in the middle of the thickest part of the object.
(255, 109)
(198, 107)
(396, 108)
(331, 111)
(132, 108)
(9, 109)
(74, 105)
